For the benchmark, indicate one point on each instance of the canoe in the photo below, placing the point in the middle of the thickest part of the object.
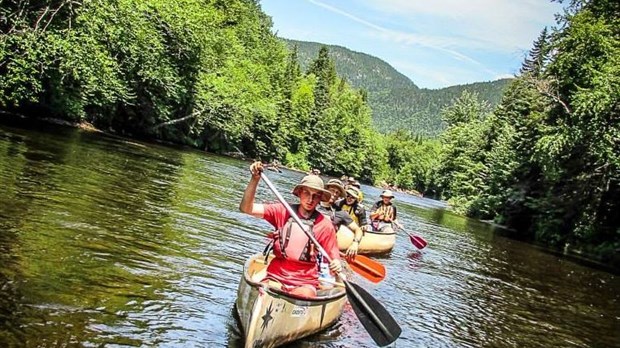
(274, 169)
(270, 317)
(373, 242)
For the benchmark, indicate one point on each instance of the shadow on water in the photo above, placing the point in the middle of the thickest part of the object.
(112, 242)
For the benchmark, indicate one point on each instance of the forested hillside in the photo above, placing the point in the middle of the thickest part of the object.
(546, 161)
(209, 74)
(213, 75)
(396, 102)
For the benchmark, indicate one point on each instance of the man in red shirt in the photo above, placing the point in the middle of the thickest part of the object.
(294, 268)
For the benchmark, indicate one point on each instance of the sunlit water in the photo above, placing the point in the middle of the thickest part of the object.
(112, 242)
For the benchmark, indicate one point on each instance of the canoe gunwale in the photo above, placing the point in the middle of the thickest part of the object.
(261, 309)
(372, 243)
(379, 233)
(328, 295)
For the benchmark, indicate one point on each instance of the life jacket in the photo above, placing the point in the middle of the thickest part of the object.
(327, 212)
(352, 210)
(292, 243)
(385, 212)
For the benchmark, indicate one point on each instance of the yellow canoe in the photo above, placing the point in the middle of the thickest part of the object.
(373, 242)
(271, 318)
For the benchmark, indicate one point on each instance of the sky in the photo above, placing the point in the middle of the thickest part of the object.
(436, 43)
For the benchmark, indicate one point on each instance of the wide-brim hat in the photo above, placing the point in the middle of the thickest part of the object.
(335, 183)
(387, 193)
(313, 182)
(354, 192)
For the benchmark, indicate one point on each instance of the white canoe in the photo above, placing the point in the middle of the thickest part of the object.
(373, 242)
(270, 317)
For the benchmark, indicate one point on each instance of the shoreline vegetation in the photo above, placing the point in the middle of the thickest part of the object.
(545, 161)
(567, 251)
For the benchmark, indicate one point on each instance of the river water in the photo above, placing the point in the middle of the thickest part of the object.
(112, 242)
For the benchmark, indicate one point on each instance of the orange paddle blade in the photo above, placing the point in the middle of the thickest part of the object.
(366, 267)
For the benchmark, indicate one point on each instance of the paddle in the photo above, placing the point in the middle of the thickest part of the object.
(417, 241)
(367, 268)
(379, 323)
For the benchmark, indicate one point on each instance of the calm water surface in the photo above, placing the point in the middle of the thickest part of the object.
(111, 242)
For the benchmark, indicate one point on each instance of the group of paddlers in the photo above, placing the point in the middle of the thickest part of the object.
(322, 208)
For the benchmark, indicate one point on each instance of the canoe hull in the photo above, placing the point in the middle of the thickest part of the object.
(270, 318)
(373, 242)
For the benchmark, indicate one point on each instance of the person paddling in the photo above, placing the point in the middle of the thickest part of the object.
(383, 213)
(352, 206)
(294, 267)
(351, 182)
(339, 217)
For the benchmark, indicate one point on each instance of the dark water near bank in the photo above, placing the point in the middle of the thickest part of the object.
(111, 242)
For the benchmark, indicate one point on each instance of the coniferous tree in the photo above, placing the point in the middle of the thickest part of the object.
(325, 71)
(537, 58)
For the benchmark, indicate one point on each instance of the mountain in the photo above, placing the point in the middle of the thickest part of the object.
(396, 102)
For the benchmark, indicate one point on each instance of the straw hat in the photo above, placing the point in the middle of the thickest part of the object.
(354, 192)
(313, 182)
(337, 184)
(387, 193)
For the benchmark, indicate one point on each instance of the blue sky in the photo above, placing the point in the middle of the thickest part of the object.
(436, 43)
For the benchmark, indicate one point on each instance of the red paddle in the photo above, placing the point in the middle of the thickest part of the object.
(416, 240)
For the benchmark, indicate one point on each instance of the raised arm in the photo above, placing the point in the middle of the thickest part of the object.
(247, 204)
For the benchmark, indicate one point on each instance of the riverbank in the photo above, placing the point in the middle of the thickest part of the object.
(608, 262)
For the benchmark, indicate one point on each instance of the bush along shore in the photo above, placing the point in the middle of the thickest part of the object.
(544, 162)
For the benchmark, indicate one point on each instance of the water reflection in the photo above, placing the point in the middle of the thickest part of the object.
(105, 241)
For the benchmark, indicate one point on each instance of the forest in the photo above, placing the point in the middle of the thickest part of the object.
(213, 75)
(396, 102)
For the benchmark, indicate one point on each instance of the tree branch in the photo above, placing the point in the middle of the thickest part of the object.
(167, 123)
(546, 88)
(36, 25)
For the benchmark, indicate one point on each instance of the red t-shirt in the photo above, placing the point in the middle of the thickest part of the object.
(296, 273)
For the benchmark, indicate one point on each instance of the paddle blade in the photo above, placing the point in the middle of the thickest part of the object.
(379, 323)
(367, 268)
(418, 241)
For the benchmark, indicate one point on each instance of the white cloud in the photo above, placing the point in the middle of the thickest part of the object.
(435, 42)
(493, 24)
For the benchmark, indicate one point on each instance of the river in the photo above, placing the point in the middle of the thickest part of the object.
(113, 242)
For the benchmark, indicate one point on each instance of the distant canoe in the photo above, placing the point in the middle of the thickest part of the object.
(274, 169)
(270, 317)
(373, 242)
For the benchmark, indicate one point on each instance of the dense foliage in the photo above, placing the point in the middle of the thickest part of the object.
(547, 160)
(211, 74)
(396, 102)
